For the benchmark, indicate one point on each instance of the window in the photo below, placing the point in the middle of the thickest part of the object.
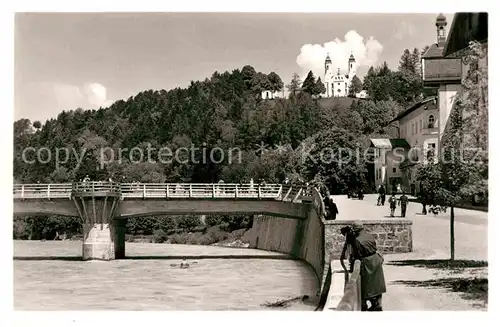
(420, 125)
(394, 169)
(431, 121)
(441, 31)
(339, 90)
(338, 83)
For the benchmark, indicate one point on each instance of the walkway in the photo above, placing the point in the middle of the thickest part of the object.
(430, 241)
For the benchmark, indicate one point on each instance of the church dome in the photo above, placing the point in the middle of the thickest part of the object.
(328, 58)
(351, 58)
(441, 20)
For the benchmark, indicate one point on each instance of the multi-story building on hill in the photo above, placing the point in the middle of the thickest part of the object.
(337, 84)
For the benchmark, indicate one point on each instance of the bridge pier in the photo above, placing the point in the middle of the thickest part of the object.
(119, 237)
(99, 228)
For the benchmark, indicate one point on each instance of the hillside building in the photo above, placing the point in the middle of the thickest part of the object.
(337, 84)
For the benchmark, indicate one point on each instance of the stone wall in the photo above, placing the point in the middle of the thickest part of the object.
(393, 235)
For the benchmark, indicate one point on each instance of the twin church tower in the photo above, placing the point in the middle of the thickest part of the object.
(337, 84)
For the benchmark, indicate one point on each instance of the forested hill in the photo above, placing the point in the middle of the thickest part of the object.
(224, 111)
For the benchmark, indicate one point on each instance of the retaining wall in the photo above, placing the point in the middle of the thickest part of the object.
(303, 239)
(393, 235)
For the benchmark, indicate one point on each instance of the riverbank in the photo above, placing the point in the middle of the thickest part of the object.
(215, 235)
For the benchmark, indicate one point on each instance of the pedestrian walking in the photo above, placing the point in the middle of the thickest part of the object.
(392, 203)
(360, 194)
(403, 202)
(364, 249)
(381, 192)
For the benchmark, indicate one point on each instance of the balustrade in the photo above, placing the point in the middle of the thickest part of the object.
(291, 193)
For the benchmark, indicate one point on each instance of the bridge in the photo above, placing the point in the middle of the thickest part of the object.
(289, 218)
(105, 206)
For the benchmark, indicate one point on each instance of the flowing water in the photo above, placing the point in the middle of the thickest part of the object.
(50, 276)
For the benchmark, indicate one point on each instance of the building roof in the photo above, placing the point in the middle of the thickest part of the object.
(434, 51)
(442, 70)
(441, 20)
(466, 27)
(415, 107)
(389, 143)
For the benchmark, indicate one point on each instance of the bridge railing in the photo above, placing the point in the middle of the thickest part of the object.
(42, 191)
(96, 187)
(289, 193)
(268, 191)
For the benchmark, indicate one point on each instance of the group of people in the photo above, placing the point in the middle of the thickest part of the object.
(393, 202)
(355, 194)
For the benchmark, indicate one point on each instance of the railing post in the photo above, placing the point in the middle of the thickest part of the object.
(190, 190)
(22, 191)
(213, 190)
(48, 191)
(259, 191)
(144, 191)
(236, 191)
(167, 191)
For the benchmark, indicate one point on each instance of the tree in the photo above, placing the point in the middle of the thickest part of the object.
(332, 154)
(248, 72)
(260, 82)
(275, 81)
(369, 78)
(355, 87)
(319, 87)
(294, 86)
(403, 86)
(37, 124)
(375, 115)
(309, 84)
(406, 63)
(416, 59)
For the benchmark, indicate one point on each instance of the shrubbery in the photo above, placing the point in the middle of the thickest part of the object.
(58, 227)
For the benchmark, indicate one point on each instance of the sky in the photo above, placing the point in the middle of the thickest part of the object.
(64, 61)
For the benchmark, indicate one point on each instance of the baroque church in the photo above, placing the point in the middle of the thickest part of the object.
(337, 85)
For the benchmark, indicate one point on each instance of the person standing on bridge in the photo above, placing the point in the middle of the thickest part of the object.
(364, 249)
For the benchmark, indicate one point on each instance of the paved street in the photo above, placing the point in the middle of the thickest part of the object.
(430, 241)
(430, 233)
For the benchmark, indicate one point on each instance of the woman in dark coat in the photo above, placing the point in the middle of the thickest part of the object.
(364, 248)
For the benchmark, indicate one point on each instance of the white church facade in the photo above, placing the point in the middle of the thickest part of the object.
(337, 84)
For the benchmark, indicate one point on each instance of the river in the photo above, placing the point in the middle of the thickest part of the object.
(51, 276)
